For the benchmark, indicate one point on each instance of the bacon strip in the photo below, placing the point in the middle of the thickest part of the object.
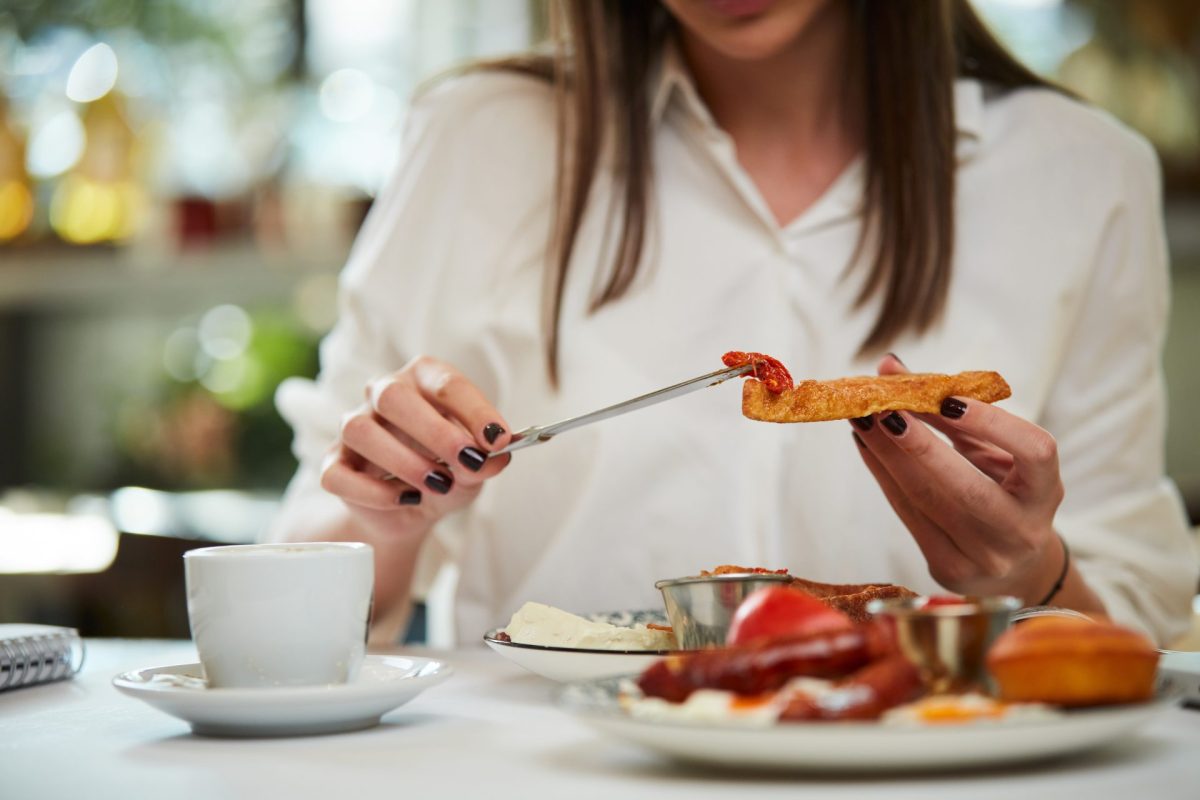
(764, 667)
(865, 695)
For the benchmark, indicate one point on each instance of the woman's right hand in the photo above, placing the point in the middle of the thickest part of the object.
(417, 449)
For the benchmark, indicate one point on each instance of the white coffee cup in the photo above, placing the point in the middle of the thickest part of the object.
(280, 614)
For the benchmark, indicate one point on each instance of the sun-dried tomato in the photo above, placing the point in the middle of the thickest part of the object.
(770, 371)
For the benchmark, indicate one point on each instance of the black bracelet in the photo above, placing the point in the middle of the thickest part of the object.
(1062, 576)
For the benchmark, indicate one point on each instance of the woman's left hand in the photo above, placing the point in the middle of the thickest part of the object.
(982, 509)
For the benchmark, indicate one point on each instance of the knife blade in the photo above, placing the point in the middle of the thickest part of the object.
(539, 434)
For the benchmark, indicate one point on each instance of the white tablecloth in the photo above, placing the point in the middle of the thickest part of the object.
(488, 733)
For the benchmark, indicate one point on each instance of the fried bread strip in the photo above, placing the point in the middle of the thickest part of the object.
(854, 605)
(734, 569)
(851, 598)
(847, 398)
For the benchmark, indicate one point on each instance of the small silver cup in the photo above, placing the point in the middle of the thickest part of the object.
(700, 608)
(949, 643)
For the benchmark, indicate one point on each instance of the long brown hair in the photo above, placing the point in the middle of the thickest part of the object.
(908, 55)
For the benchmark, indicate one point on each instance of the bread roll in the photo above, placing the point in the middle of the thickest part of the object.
(1073, 662)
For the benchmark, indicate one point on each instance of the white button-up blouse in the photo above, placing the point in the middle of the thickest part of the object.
(1060, 284)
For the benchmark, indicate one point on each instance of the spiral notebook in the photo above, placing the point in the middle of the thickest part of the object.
(31, 654)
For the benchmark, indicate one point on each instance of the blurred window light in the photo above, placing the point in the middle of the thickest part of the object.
(138, 510)
(315, 302)
(225, 331)
(227, 376)
(179, 354)
(94, 74)
(219, 516)
(56, 145)
(347, 95)
(204, 151)
(35, 59)
(1040, 32)
(1024, 4)
(55, 543)
(371, 55)
(356, 32)
(85, 211)
(16, 209)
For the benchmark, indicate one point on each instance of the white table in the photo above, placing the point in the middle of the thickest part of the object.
(488, 733)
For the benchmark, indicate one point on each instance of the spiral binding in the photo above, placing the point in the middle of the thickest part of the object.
(40, 658)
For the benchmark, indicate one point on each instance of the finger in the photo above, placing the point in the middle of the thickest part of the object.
(956, 435)
(494, 466)
(1033, 449)
(891, 365)
(938, 548)
(360, 489)
(939, 481)
(451, 392)
(989, 459)
(363, 435)
(400, 404)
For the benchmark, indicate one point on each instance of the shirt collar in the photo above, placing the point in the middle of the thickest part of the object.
(673, 84)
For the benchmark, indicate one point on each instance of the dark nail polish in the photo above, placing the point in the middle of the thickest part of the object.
(953, 408)
(863, 423)
(492, 431)
(858, 440)
(409, 497)
(471, 458)
(440, 482)
(893, 355)
(895, 424)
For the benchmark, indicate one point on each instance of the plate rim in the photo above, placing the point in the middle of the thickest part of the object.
(1160, 702)
(127, 682)
(490, 638)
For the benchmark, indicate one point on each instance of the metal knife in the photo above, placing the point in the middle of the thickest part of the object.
(544, 433)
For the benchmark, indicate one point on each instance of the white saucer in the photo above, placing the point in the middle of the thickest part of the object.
(383, 683)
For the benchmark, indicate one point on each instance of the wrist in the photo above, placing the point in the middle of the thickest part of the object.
(403, 523)
(1049, 574)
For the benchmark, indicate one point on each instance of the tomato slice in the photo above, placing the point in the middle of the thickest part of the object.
(779, 612)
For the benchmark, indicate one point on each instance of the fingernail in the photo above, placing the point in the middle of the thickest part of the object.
(953, 408)
(409, 497)
(893, 355)
(440, 482)
(492, 431)
(858, 440)
(863, 423)
(471, 458)
(895, 424)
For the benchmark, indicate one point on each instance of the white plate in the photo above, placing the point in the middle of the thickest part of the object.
(1183, 669)
(383, 683)
(571, 664)
(857, 746)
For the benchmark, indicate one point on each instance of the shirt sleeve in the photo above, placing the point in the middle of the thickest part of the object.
(1122, 517)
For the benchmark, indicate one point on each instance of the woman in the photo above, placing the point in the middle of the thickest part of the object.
(821, 180)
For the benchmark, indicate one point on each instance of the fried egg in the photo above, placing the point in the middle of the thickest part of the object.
(957, 709)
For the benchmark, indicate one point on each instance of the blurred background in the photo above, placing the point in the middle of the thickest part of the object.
(180, 181)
